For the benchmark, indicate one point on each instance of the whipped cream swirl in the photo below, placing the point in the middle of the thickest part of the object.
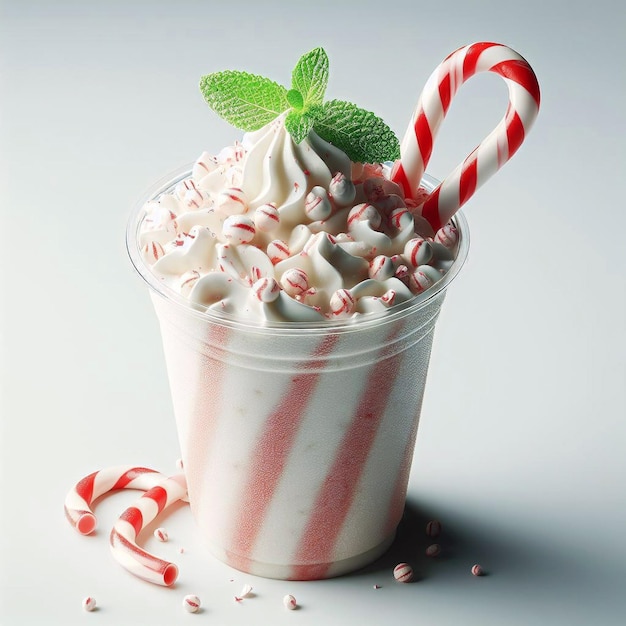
(272, 230)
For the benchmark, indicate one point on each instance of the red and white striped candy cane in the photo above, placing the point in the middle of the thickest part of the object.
(492, 153)
(133, 520)
(79, 498)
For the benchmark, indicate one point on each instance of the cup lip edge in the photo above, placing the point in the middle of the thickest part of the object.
(353, 324)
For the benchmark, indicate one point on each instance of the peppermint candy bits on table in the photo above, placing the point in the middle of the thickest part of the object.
(245, 592)
(477, 570)
(433, 528)
(433, 550)
(290, 602)
(89, 603)
(403, 573)
(191, 603)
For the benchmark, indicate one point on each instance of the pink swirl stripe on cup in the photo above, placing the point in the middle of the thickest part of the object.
(79, 499)
(123, 539)
(492, 153)
(270, 455)
(340, 487)
(203, 417)
(398, 495)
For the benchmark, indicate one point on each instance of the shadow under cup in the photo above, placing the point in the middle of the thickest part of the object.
(296, 439)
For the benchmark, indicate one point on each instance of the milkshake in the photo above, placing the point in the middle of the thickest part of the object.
(296, 419)
(297, 291)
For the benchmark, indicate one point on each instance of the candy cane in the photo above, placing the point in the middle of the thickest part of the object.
(133, 520)
(492, 153)
(79, 498)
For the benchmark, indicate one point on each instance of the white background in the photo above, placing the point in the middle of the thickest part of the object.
(521, 446)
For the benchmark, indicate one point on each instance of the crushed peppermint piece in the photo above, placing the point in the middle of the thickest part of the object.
(433, 550)
(191, 603)
(477, 570)
(433, 528)
(403, 573)
(290, 602)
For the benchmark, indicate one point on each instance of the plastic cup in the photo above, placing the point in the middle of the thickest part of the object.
(296, 439)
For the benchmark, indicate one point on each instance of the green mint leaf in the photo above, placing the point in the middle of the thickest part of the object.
(298, 125)
(295, 99)
(310, 76)
(364, 137)
(316, 111)
(245, 100)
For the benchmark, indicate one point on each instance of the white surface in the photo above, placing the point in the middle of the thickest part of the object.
(521, 447)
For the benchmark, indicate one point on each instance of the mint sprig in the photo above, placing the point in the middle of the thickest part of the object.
(249, 102)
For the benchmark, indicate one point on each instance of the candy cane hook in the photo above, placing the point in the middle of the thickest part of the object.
(492, 153)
